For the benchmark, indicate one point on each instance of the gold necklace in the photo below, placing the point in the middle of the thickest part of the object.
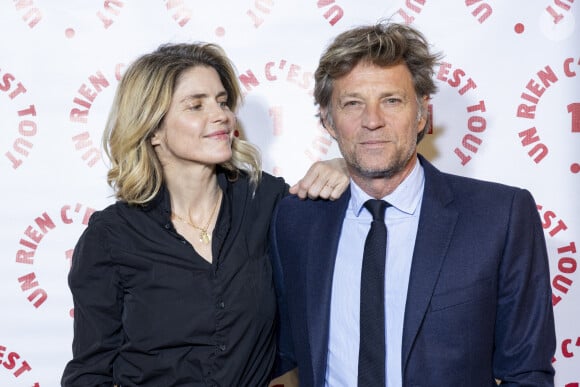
(204, 236)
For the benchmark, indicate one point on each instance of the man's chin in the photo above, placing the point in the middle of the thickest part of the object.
(377, 172)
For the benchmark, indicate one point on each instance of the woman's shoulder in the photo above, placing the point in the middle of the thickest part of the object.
(113, 214)
(272, 181)
(266, 185)
(270, 186)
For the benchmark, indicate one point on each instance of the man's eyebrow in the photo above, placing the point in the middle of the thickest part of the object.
(356, 94)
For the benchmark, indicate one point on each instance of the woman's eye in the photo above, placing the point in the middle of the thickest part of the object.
(194, 106)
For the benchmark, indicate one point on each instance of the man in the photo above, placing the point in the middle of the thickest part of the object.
(467, 297)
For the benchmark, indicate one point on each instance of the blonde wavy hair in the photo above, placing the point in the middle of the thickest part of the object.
(141, 101)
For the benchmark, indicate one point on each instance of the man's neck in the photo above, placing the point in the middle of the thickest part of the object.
(379, 187)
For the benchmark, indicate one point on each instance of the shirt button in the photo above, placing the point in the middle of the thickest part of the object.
(222, 347)
(221, 305)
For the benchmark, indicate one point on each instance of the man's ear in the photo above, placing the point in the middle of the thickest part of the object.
(421, 125)
(324, 119)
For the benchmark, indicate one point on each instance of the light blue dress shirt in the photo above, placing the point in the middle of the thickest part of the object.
(402, 220)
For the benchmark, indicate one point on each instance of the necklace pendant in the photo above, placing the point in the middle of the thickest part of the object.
(204, 237)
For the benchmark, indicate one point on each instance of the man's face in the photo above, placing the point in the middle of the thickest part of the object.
(375, 120)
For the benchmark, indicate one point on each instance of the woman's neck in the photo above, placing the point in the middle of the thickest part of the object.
(193, 193)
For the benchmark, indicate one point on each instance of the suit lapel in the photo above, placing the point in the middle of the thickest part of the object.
(327, 225)
(436, 224)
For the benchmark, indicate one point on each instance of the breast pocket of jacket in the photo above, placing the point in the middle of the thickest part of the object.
(480, 291)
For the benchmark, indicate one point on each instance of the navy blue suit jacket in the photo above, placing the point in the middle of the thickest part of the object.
(479, 298)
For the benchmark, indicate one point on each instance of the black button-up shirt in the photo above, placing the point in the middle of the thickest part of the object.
(149, 311)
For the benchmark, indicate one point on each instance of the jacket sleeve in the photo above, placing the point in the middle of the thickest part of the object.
(525, 335)
(97, 297)
(285, 358)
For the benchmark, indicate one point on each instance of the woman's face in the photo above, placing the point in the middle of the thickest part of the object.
(199, 125)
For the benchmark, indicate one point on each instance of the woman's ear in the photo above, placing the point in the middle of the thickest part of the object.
(155, 137)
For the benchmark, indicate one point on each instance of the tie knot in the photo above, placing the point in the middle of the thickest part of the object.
(377, 208)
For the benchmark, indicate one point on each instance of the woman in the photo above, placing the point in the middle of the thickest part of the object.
(171, 284)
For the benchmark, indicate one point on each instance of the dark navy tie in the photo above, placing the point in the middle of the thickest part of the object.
(371, 358)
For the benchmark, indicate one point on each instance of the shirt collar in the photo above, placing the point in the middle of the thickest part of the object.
(405, 197)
